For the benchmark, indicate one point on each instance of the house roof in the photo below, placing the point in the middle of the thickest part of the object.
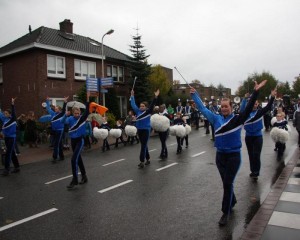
(56, 40)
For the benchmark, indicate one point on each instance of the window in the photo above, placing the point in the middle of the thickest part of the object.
(57, 101)
(83, 69)
(116, 72)
(108, 71)
(1, 73)
(123, 106)
(56, 66)
(120, 74)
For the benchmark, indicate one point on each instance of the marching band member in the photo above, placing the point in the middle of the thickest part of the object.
(228, 142)
(143, 114)
(253, 127)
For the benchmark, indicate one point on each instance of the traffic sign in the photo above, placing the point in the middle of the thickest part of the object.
(106, 82)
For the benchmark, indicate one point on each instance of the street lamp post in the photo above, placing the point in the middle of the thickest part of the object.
(102, 59)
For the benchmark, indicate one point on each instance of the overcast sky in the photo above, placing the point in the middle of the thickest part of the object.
(214, 41)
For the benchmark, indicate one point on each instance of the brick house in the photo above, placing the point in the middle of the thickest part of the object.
(55, 63)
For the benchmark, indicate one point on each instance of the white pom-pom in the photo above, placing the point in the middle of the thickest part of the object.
(188, 129)
(273, 120)
(173, 130)
(180, 131)
(159, 123)
(279, 135)
(100, 133)
(115, 132)
(130, 130)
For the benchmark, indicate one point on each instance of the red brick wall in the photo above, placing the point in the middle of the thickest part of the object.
(25, 77)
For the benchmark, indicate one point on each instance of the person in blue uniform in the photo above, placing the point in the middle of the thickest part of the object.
(9, 130)
(143, 114)
(253, 126)
(228, 143)
(77, 127)
(57, 127)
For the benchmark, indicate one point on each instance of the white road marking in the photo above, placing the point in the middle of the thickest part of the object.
(152, 150)
(113, 162)
(171, 144)
(114, 186)
(198, 154)
(59, 179)
(27, 219)
(1, 198)
(170, 165)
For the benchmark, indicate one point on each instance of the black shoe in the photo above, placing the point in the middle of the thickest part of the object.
(16, 170)
(147, 162)
(141, 165)
(72, 184)
(54, 160)
(275, 149)
(84, 179)
(253, 176)
(5, 173)
(223, 220)
(186, 146)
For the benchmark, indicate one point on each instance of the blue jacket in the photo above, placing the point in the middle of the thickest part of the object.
(142, 118)
(77, 126)
(9, 127)
(254, 124)
(56, 123)
(227, 129)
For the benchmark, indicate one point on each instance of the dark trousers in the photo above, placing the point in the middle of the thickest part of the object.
(196, 122)
(228, 165)
(105, 145)
(10, 153)
(58, 144)
(163, 137)
(121, 139)
(186, 138)
(298, 138)
(254, 145)
(144, 137)
(179, 148)
(267, 121)
(76, 160)
(206, 126)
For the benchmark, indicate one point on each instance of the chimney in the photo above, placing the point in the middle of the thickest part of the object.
(66, 26)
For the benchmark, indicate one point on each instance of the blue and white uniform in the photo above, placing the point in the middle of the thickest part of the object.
(9, 129)
(228, 144)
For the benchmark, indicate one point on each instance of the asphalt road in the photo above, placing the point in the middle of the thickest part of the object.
(178, 198)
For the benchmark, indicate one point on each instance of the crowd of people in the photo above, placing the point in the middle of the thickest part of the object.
(219, 119)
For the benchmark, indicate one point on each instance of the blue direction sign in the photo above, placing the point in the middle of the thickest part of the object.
(92, 85)
(106, 82)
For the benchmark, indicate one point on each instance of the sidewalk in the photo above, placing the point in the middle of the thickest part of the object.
(279, 215)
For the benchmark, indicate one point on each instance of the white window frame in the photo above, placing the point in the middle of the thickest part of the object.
(56, 69)
(1, 73)
(91, 69)
(54, 101)
(122, 105)
(116, 72)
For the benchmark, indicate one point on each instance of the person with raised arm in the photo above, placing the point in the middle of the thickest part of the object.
(9, 130)
(227, 127)
(143, 114)
(77, 127)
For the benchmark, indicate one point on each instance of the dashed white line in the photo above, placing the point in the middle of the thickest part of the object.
(113, 162)
(152, 150)
(114, 186)
(170, 165)
(198, 154)
(171, 144)
(1, 198)
(27, 219)
(59, 179)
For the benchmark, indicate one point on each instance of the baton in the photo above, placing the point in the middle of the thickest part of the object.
(183, 77)
(134, 82)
